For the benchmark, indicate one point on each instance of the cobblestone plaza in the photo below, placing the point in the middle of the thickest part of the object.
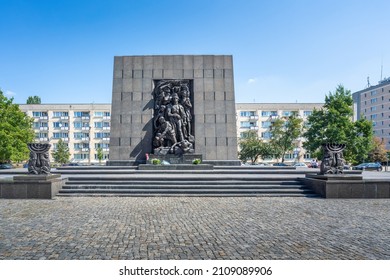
(185, 228)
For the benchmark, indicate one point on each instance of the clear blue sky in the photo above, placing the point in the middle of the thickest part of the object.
(283, 51)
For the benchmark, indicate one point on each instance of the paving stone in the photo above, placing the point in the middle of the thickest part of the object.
(168, 228)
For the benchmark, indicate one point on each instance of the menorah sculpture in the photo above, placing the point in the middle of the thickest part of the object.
(39, 162)
(333, 161)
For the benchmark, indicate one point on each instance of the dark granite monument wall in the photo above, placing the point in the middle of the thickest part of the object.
(213, 103)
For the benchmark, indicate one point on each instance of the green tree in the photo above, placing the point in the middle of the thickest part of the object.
(253, 148)
(100, 154)
(285, 132)
(333, 124)
(33, 100)
(15, 131)
(61, 155)
(378, 152)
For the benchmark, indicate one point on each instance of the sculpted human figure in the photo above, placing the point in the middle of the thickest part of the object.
(186, 102)
(166, 132)
(32, 163)
(176, 115)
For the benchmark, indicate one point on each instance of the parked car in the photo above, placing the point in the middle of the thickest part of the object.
(369, 166)
(280, 164)
(299, 164)
(6, 166)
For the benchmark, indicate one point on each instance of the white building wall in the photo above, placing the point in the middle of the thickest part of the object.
(258, 117)
(55, 121)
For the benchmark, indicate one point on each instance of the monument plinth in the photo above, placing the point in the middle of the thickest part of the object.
(173, 105)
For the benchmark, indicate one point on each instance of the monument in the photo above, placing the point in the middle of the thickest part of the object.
(173, 106)
(39, 183)
(39, 162)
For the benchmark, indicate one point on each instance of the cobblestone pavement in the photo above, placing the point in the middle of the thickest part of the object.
(162, 228)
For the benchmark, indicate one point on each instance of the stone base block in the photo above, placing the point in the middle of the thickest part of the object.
(32, 186)
(176, 159)
(175, 167)
(124, 162)
(347, 186)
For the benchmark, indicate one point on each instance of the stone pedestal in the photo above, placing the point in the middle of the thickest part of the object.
(31, 186)
(347, 186)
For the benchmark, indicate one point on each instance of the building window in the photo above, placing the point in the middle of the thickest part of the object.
(265, 124)
(307, 113)
(102, 135)
(81, 114)
(81, 156)
(269, 113)
(58, 135)
(247, 113)
(266, 135)
(60, 114)
(102, 145)
(77, 124)
(373, 92)
(247, 124)
(39, 114)
(98, 124)
(98, 114)
(374, 100)
(105, 157)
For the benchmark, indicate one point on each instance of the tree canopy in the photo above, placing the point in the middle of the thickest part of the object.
(15, 131)
(334, 124)
(378, 152)
(253, 148)
(33, 100)
(285, 132)
(61, 154)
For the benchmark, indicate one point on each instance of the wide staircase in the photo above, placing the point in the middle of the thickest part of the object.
(184, 183)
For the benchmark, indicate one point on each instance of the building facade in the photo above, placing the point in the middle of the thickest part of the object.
(83, 127)
(373, 103)
(258, 117)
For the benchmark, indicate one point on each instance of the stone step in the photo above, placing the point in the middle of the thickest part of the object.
(200, 192)
(187, 195)
(171, 183)
(180, 182)
(177, 186)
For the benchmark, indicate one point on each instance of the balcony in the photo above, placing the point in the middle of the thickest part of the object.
(85, 118)
(106, 139)
(85, 149)
(85, 128)
(254, 128)
(85, 139)
(106, 149)
(64, 128)
(64, 118)
(65, 139)
(43, 118)
(43, 128)
(106, 128)
(43, 139)
(107, 118)
(253, 117)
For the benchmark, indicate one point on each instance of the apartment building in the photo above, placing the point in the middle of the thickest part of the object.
(373, 103)
(84, 127)
(259, 117)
